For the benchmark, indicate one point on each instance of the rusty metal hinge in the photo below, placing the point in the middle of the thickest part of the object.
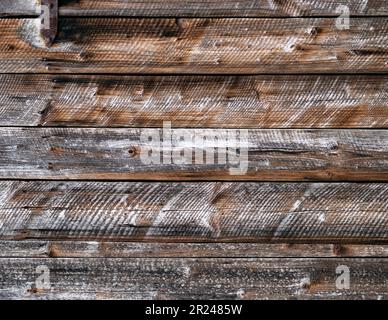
(48, 20)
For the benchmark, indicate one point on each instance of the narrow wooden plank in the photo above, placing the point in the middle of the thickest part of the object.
(225, 8)
(195, 212)
(312, 45)
(105, 249)
(124, 154)
(200, 8)
(195, 101)
(165, 279)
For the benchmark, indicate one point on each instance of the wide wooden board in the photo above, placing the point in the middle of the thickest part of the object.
(259, 155)
(195, 212)
(151, 278)
(233, 46)
(195, 101)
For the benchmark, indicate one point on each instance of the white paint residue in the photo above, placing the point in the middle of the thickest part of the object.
(296, 205)
(290, 45)
(62, 214)
(93, 246)
(364, 4)
(271, 4)
(240, 293)
(282, 226)
(186, 271)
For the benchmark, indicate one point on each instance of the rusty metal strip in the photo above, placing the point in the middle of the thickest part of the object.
(48, 20)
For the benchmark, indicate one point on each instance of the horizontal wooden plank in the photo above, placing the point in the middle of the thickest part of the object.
(104, 249)
(195, 212)
(225, 8)
(124, 154)
(200, 8)
(312, 45)
(195, 101)
(165, 279)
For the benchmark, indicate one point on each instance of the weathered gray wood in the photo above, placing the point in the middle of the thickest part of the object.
(104, 249)
(169, 240)
(200, 8)
(195, 212)
(119, 154)
(195, 101)
(193, 279)
(313, 45)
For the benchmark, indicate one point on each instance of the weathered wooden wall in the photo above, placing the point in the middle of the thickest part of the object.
(76, 197)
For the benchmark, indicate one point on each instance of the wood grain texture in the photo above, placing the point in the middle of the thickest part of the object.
(265, 155)
(195, 212)
(312, 45)
(313, 97)
(199, 8)
(193, 279)
(104, 249)
(195, 101)
(225, 8)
